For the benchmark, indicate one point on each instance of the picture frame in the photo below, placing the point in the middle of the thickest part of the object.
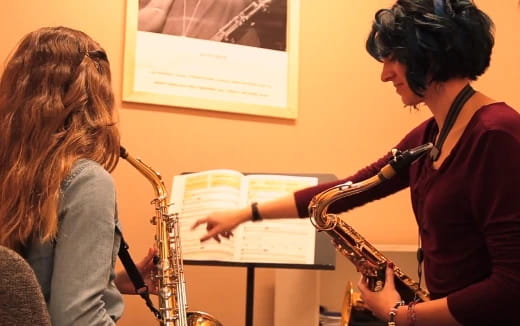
(170, 68)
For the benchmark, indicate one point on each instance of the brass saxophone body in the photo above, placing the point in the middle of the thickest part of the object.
(368, 260)
(170, 274)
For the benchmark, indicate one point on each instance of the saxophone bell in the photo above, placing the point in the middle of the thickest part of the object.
(352, 303)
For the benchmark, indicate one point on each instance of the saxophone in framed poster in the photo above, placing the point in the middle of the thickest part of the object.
(238, 56)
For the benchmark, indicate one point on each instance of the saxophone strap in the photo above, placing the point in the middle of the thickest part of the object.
(133, 273)
(452, 115)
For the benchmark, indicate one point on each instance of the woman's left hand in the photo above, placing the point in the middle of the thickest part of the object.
(146, 267)
(380, 302)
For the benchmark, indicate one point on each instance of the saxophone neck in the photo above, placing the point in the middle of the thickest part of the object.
(320, 202)
(147, 171)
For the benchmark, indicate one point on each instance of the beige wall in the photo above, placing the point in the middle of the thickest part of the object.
(346, 117)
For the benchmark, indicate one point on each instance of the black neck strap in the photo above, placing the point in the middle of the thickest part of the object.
(452, 115)
(133, 273)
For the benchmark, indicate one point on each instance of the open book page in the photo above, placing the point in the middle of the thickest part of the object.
(287, 241)
(197, 194)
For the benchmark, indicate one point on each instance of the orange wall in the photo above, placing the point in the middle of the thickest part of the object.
(346, 117)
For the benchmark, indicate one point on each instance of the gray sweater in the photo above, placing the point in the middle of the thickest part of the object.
(76, 270)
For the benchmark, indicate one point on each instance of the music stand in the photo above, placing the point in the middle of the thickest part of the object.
(324, 257)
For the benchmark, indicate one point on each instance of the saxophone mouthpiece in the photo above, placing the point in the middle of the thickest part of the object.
(402, 160)
(122, 152)
(421, 150)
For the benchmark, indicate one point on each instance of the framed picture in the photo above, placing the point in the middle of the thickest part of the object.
(237, 56)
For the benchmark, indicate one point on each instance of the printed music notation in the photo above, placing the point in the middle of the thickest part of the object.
(194, 195)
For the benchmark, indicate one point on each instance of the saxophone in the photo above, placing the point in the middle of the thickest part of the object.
(170, 275)
(367, 259)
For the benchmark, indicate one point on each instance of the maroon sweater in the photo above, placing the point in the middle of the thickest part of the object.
(468, 212)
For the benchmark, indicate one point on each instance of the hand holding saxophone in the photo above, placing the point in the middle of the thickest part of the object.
(146, 268)
(380, 302)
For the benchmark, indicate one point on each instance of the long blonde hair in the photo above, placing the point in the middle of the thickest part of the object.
(56, 106)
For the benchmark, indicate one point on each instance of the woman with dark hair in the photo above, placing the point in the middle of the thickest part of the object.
(464, 193)
(58, 143)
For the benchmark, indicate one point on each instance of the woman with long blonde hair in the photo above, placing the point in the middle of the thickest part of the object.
(58, 144)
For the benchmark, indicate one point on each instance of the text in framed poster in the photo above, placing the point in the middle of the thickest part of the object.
(237, 56)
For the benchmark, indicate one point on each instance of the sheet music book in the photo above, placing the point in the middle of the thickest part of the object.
(288, 240)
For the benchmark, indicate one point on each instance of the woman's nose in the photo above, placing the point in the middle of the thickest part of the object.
(387, 73)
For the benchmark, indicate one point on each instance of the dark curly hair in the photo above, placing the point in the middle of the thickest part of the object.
(435, 39)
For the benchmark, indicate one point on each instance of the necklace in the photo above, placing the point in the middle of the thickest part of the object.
(459, 101)
(185, 28)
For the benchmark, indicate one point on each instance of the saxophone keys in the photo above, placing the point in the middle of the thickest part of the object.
(378, 285)
(165, 292)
